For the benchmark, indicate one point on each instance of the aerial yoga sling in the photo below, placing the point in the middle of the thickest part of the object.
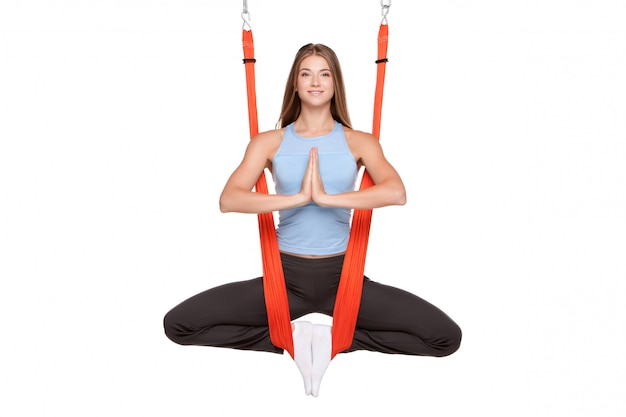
(348, 297)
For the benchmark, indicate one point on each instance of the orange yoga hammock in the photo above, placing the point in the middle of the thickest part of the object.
(348, 298)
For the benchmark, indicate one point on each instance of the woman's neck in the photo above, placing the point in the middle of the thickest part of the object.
(310, 124)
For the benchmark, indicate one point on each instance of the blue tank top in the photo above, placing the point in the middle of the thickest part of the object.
(311, 229)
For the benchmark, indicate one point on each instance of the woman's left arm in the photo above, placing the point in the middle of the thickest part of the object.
(388, 188)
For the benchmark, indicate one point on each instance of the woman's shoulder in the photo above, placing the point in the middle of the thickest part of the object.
(362, 144)
(357, 134)
(358, 138)
(268, 138)
(270, 135)
(265, 144)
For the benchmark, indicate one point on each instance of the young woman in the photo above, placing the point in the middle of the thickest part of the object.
(314, 156)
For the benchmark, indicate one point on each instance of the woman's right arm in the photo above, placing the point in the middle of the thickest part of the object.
(238, 196)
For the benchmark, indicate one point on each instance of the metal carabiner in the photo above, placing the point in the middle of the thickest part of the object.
(384, 6)
(245, 15)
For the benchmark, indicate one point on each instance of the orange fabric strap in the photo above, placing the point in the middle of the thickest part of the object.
(348, 298)
(275, 291)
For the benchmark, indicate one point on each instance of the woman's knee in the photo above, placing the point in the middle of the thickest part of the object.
(174, 330)
(450, 341)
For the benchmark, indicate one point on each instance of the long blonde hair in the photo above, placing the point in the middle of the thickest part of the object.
(291, 102)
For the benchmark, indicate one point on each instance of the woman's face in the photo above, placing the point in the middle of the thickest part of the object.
(315, 81)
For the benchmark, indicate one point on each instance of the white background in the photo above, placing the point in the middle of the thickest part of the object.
(120, 121)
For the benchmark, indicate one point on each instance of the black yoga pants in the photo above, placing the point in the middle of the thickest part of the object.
(390, 320)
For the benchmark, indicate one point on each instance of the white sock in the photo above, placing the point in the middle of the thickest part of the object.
(302, 340)
(322, 350)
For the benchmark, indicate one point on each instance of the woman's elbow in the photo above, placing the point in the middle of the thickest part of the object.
(400, 196)
(401, 200)
(225, 206)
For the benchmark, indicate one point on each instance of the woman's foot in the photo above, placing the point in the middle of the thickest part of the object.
(303, 352)
(322, 349)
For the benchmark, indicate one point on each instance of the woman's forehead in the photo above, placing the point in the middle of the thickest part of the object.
(314, 62)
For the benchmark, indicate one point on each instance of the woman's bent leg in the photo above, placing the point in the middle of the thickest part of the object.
(392, 320)
(231, 315)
